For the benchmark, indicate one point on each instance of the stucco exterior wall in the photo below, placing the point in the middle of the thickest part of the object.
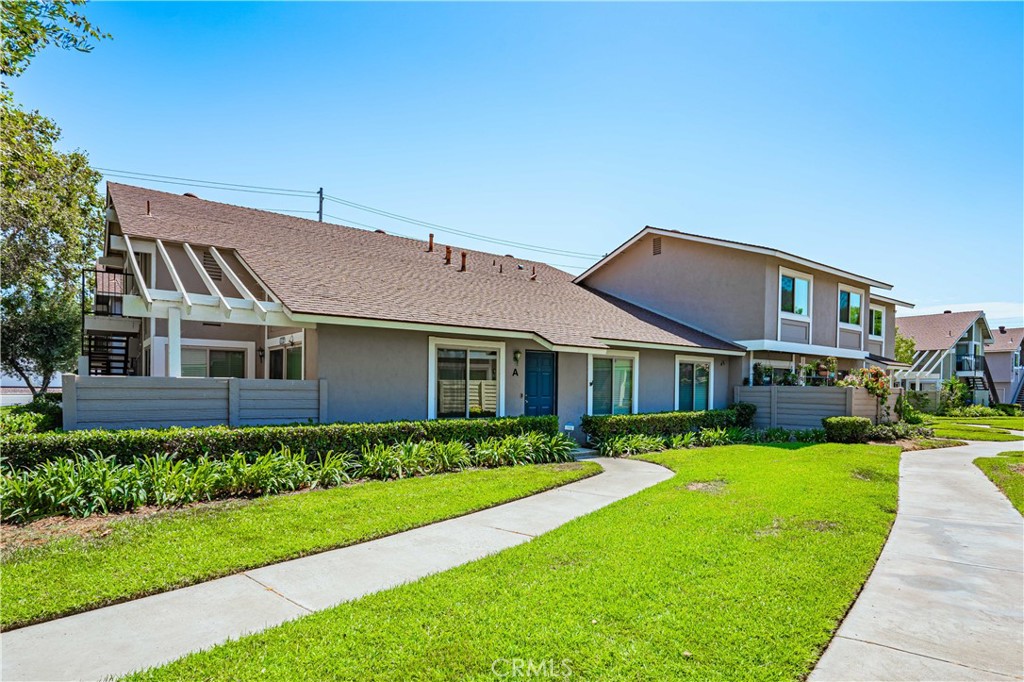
(709, 287)
(373, 374)
(572, 390)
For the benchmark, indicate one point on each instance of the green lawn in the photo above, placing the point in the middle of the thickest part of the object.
(1016, 423)
(738, 568)
(958, 431)
(1007, 472)
(142, 557)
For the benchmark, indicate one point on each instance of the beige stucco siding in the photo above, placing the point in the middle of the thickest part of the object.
(709, 287)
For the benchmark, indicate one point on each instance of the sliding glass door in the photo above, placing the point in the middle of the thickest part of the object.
(694, 386)
(467, 383)
(612, 390)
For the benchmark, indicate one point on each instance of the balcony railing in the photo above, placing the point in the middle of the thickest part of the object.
(970, 363)
(103, 292)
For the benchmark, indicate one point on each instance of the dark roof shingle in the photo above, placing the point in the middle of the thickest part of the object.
(936, 332)
(327, 269)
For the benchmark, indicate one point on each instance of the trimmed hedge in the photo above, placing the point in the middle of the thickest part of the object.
(665, 424)
(847, 429)
(30, 449)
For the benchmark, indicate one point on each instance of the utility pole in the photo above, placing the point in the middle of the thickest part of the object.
(320, 210)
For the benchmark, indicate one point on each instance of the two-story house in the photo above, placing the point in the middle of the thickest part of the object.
(301, 320)
(787, 311)
(948, 345)
(1003, 359)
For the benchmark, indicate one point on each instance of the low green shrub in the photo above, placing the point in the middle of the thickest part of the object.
(1009, 409)
(681, 441)
(893, 431)
(630, 444)
(125, 446)
(42, 414)
(973, 411)
(84, 485)
(810, 436)
(665, 424)
(715, 436)
(846, 429)
(907, 412)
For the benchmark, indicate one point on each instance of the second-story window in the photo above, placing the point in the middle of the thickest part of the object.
(795, 294)
(877, 322)
(849, 307)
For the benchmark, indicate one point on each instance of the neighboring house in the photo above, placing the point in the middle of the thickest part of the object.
(1004, 364)
(948, 345)
(382, 327)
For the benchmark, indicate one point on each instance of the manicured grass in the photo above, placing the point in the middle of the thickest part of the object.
(739, 568)
(141, 557)
(1007, 472)
(1016, 423)
(965, 432)
(934, 444)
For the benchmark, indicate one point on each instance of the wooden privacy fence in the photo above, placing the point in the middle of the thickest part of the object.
(803, 407)
(157, 402)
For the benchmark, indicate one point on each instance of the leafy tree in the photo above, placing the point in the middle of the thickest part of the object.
(39, 334)
(51, 216)
(904, 348)
(31, 25)
(52, 223)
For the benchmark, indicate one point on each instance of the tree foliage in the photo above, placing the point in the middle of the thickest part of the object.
(40, 334)
(31, 25)
(904, 348)
(52, 214)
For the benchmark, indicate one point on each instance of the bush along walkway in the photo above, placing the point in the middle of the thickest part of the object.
(147, 632)
(946, 599)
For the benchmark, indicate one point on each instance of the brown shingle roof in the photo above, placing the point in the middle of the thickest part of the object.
(327, 269)
(936, 332)
(1006, 341)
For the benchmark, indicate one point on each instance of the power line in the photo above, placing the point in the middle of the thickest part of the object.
(226, 185)
(280, 191)
(461, 233)
(349, 221)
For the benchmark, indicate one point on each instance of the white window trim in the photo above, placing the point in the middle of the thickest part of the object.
(622, 355)
(293, 340)
(783, 315)
(159, 349)
(846, 325)
(871, 325)
(434, 342)
(711, 378)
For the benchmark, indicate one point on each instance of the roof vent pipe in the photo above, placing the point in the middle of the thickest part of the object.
(430, 243)
(946, 312)
(533, 275)
(462, 268)
(447, 255)
(1002, 329)
(147, 207)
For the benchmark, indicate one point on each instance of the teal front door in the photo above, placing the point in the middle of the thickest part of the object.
(540, 383)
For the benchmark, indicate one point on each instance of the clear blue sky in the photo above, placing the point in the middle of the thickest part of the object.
(881, 138)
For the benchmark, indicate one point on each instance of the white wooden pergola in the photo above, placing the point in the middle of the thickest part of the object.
(180, 304)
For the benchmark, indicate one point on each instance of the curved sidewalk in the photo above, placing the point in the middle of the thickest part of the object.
(116, 640)
(946, 599)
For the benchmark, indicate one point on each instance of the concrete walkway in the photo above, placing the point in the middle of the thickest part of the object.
(146, 632)
(946, 599)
